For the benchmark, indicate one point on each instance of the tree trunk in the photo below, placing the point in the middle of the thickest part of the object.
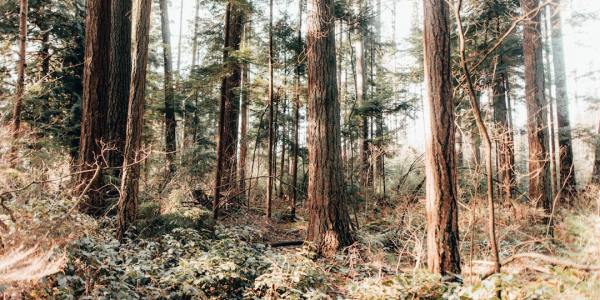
(170, 122)
(442, 210)
(548, 82)
(329, 226)
(361, 91)
(225, 179)
(596, 171)
(271, 115)
(95, 104)
(245, 89)
(504, 144)
(16, 116)
(120, 73)
(539, 175)
(127, 205)
(567, 169)
(297, 114)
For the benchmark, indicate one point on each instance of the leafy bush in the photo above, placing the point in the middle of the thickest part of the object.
(291, 276)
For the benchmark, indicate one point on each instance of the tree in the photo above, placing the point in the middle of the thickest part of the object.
(16, 117)
(120, 72)
(271, 116)
(245, 89)
(296, 142)
(504, 140)
(170, 122)
(225, 175)
(596, 171)
(442, 210)
(329, 226)
(96, 81)
(539, 175)
(361, 91)
(567, 170)
(127, 205)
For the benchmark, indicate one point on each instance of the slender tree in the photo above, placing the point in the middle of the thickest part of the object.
(170, 122)
(271, 117)
(16, 117)
(329, 226)
(127, 205)
(361, 90)
(119, 72)
(539, 172)
(245, 89)
(96, 81)
(442, 209)
(225, 176)
(567, 170)
(296, 142)
(505, 150)
(596, 171)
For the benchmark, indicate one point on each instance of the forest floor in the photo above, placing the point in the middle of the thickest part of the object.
(178, 252)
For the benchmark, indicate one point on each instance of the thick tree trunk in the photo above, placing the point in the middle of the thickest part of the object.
(555, 186)
(226, 179)
(442, 209)
(95, 104)
(539, 171)
(329, 226)
(567, 169)
(120, 73)
(16, 116)
(504, 143)
(127, 206)
(170, 122)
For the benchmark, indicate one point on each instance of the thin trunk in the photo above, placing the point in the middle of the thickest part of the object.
(179, 42)
(120, 73)
(539, 175)
(16, 116)
(361, 91)
(442, 208)
(297, 114)
(128, 199)
(226, 177)
(245, 89)
(505, 150)
(596, 171)
(567, 169)
(486, 138)
(271, 115)
(329, 227)
(190, 135)
(170, 122)
(284, 140)
(548, 76)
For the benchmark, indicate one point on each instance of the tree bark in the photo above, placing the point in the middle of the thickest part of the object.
(95, 104)
(548, 82)
(120, 73)
(225, 177)
(128, 199)
(245, 89)
(567, 169)
(271, 116)
(296, 142)
(170, 122)
(16, 115)
(539, 175)
(329, 226)
(504, 143)
(361, 91)
(442, 210)
(596, 171)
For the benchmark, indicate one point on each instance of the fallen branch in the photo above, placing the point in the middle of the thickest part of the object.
(555, 261)
(287, 244)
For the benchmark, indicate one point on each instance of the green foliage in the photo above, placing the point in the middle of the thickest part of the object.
(291, 276)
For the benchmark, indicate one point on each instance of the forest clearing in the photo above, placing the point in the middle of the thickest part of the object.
(319, 149)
